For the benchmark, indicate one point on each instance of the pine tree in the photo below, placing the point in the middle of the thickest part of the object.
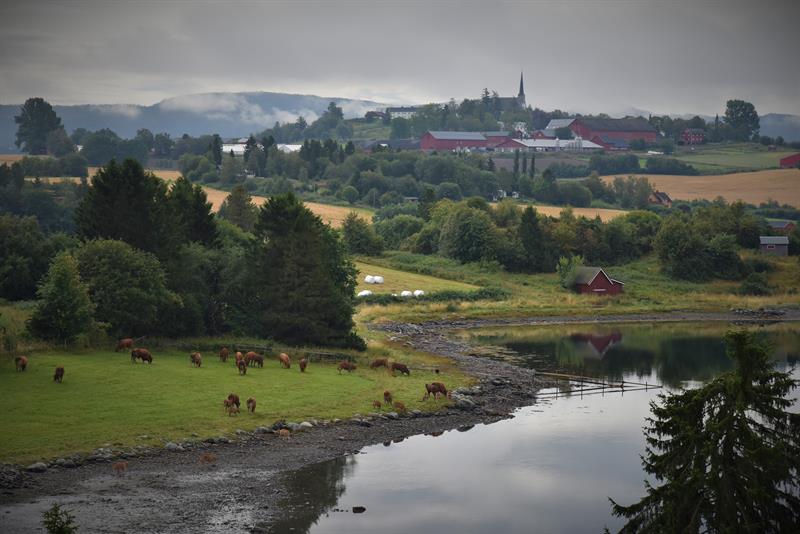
(727, 453)
(189, 205)
(530, 233)
(239, 209)
(516, 163)
(65, 310)
(524, 164)
(532, 168)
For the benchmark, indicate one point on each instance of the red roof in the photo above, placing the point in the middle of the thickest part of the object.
(790, 161)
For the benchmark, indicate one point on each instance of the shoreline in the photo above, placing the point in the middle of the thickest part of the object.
(169, 490)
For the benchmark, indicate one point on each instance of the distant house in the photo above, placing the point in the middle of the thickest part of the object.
(401, 112)
(693, 136)
(595, 281)
(237, 149)
(775, 245)
(375, 115)
(783, 227)
(288, 149)
(790, 161)
(453, 141)
(660, 198)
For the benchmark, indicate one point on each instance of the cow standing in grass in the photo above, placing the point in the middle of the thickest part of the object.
(403, 368)
(223, 354)
(435, 389)
(379, 362)
(251, 405)
(242, 367)
(141, 354)
(283, 358)
(346, 366)
(59, 376)
(387, 397)
(21, 362)
(196, 359)
(125, 343)
(255, 360)
(303, 364)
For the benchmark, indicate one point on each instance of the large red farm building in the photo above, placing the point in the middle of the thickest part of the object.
(595, 281)
(790, 161)
(613, 131)
(453, 141)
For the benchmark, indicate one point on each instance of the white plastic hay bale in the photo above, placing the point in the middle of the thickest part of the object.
(369, 279)
(378, 279)
(419, 293)
(406, 293)
(364, 293)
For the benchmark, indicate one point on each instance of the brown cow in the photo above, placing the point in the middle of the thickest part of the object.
(346, 366)
(399, 407)
(387, 397)
(435, 389)
(284, 359)
(230, 407)
(303, 364)
(379, 362)
(377, 405)
(141, 354)
(256, 360)
(124, 343)
(223, 354)
(196, 358)
(120, 468)
(251, 405)
(242, 367)
(239, 358)
(249, 356)
(234, 398)
(21, 362)
(59, 376)
(403, 368)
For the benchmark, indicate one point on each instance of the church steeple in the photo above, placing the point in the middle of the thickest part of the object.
(521, 95)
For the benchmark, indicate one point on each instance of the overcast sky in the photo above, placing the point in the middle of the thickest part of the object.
(676, 56)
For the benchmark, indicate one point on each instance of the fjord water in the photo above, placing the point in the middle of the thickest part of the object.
(549, 469)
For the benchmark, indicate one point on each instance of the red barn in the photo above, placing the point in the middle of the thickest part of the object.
(496, 138)
(617, 129)
(790, 161)
(595, 281)
(693, 136)
(452, 141)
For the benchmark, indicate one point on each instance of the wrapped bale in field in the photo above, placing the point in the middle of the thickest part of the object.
(364, 293)
(377, 279)
(369, 279)
(406, 293)
(418, 293)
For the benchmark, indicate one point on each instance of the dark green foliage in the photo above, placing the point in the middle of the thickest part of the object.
(467, 234)
(129, 204)
(24, 256)
(35, 121)
(191, 211)
(575, 194)
(58, 521)
(64, 311)
(726, 454)
(567, 170)
(395, 230)
(632, 192)
(239, 209)
(59, 144)
(755, 284)
(614, 164)
(127, 286)
(656, 165)
(360, 237)
(537, 256)
(198, 168)
(682, 251)
(104, 145)
(484, 293)
(742, 119)
(300, 285)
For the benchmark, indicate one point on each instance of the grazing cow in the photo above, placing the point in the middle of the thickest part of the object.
(403, 368)
(284, 433)
(242, 367)
(125, 343)
(141, 354)
(346, 366)
(387, 397)
(223, 354)
(435, 389)
(251, 405)
(234, 398)
(21, 362)
(399, 407)
(256, 360)
(239, 357)
(249, 357)
(59, 376)
(120, 468)
(284, 359)
(379, 362)
(196, 358)
(377, 405)
(207, 458)
(230, 407)
(303, 364)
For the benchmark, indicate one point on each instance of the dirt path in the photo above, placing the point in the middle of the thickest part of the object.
(241, 492)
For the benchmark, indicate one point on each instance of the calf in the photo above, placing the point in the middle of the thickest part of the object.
(379, 362)
(196, 358)
(234, 398)
(120, 468)
(230, 407)
(21, 362)
(223, 354)
(399, 407)
(377, 405)
(303, 364)
(251, 405)
(387, 397)
(59, 376)
(346, 366)
(242, 367)
(125, 343)
(284, 359)
(141, 354)
(435, 389)
(403, 368)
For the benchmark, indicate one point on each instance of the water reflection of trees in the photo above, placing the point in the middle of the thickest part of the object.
(309, 493)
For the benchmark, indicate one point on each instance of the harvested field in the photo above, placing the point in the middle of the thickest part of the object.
(555, 211)
(396, 281)
(782, 185)
(10, 158)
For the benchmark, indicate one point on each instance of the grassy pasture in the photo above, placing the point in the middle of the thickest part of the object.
(782, 185)
(106, 399)
(726, 158)
(396, 281)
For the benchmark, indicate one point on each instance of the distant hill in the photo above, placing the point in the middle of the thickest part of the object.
(228, 114)
(775, 124)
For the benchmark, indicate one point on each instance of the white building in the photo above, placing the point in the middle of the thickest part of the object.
(547, 145)
(402, 112)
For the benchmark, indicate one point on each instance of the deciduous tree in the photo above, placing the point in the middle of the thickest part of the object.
(35, 120)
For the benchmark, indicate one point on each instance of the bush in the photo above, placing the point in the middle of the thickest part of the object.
(575, 194)
(58, 521)
(755, 284)
(604, 164)
(566, 170)
(360, 236)
(395, 230)
(467, 234)
(669, 166)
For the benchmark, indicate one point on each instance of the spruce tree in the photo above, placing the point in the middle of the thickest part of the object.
(727, 453)
(239, 209)
(532, 168)
(65, 310)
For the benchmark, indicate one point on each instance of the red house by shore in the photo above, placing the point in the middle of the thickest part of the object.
(595, 281)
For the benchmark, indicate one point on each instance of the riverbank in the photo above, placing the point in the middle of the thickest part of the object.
(242, 490)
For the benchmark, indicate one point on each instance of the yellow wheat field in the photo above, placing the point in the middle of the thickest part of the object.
(782, 185)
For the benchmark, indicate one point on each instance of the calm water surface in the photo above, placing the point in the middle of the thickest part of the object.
(549, 469)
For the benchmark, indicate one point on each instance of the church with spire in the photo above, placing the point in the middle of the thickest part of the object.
(512, 103)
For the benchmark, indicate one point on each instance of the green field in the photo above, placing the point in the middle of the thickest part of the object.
(370, 130)
(396, 281)
(105, 399)
(727, 158)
